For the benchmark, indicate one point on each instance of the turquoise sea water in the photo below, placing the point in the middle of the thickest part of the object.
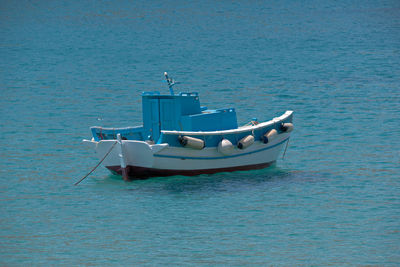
(333, 200)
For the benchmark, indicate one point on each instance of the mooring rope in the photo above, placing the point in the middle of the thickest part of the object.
(98, 164)
(287, 144)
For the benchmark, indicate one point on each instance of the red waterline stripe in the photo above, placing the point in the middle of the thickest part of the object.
(136, 172)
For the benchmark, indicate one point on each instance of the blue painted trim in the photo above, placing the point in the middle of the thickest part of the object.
(224, 157)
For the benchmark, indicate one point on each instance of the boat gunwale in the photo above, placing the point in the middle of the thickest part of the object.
(233, 131)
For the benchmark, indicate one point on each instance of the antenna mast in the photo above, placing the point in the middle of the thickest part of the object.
(170, 82)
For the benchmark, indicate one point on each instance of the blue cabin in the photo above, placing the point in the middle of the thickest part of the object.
(182, 112)
(179, 112)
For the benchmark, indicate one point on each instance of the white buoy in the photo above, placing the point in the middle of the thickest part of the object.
(225, 147)
(121, 158)
(269, 136)
(246, 142)
(191, 142)
(287, 127)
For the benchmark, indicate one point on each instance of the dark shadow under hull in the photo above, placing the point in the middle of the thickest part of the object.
(135, 172)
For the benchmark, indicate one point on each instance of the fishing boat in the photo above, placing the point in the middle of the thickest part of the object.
(181, 137)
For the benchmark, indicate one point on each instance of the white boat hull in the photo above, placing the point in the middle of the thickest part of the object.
(144, 160)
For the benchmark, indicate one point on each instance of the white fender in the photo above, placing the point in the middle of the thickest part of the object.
(246, 142)
(191, 142)
(287, 127)
(225, 147)
(269, 136)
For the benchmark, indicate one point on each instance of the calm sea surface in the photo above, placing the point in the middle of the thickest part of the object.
(333, 200)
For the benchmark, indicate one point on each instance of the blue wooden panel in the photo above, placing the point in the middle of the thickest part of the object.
(129, 133)
(211, 120)
(154, 119)
(168, 114)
